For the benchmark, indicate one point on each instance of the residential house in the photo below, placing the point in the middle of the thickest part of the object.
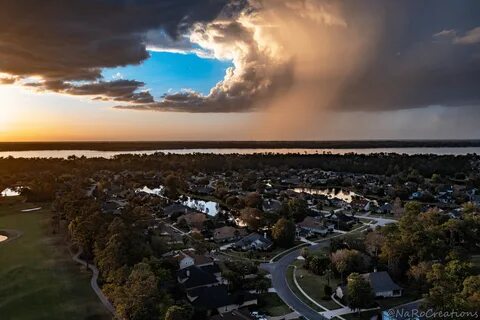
(189, 258)
(193, 277)
(218, 298)
(341, 220)
(253, 241)
(177, 209)
(385, 208)
(311, 226)
(227, 234)
(194, 220)
(381, 283)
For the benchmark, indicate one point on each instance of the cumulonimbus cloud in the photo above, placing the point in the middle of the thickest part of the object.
(257, 73)
(343, 55)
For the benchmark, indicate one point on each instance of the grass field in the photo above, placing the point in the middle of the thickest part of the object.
(38, 279)
(271, 304)
(297, 292)
(314, 285)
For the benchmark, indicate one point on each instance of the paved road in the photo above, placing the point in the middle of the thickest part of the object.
(278, 270)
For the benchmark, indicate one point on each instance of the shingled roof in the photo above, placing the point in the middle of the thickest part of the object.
(381, 281)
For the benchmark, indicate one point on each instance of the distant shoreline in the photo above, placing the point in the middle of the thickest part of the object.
(166, 145)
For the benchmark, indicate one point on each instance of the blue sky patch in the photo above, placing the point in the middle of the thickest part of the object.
(167, 71)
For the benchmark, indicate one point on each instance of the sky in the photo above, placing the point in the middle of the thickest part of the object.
(239, 70)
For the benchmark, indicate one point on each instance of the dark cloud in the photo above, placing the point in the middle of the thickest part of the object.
(117, 90)
(73, 40)
(7, 80)
(426, 55)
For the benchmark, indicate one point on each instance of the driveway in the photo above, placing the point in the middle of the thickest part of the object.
(378, 221)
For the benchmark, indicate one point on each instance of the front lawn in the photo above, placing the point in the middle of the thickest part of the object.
(271, 304)
(313, 285)
(408, 296)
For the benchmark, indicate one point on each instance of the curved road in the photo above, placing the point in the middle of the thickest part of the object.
(94, 284)
(278, 270)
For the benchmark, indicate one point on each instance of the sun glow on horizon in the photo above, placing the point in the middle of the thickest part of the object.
(8, 114)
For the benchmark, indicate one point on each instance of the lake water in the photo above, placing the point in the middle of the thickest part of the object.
(10, 192)
(155, 191)
(108, 154)
(209, 207)
(332, 193)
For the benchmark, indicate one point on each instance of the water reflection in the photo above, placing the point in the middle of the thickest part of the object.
(332, 193)
(11, 192)
(155, 191)
(209, 207)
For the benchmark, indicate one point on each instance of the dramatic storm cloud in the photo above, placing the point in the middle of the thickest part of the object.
(292, 58)
(304, 56)
(64, 42)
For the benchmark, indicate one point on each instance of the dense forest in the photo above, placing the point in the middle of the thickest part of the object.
(385, 164)
(139, 145)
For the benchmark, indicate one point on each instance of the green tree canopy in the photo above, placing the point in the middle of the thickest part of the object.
(283, 232)
(359, 292)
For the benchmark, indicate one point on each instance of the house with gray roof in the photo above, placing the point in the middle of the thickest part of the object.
(381, 283)
(253, 241)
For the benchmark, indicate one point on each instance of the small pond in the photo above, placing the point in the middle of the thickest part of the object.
(155, 191)
(332, 193)
(211, 208)
(11, 192)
